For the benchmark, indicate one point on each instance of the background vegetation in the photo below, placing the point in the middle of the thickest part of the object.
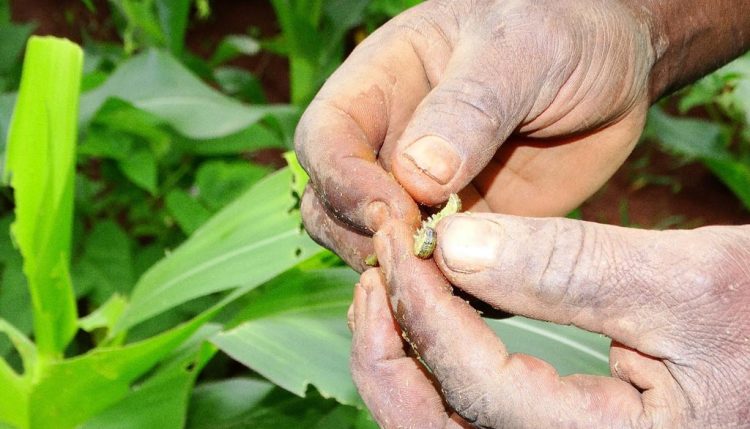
(183, 292)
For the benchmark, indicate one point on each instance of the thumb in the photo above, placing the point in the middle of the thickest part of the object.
(457, 128)
(637, 287)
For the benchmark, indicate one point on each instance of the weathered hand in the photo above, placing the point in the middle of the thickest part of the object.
(509, 102)
(675, 304)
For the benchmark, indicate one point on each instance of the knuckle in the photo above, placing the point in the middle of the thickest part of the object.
(475, 96)
(563, 261)
(473, 402)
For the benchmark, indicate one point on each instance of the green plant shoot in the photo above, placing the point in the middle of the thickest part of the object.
(41, 168)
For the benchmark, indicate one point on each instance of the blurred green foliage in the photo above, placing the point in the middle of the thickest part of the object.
(198, 299)
(718, 131)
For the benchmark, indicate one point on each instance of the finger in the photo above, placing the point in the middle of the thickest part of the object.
(393, 385)
(351, 246)
(481, 99)
(480, 380)
(365, 103)
(622, 282)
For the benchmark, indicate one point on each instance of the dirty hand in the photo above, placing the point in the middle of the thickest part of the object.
(506, 101)
(675, 304)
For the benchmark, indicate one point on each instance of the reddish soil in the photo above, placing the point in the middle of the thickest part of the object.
(690, 195)
(651, 190)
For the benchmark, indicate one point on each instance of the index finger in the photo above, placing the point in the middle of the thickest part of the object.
(366, 102)
(479, 378)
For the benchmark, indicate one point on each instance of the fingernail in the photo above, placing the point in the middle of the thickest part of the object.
(469, 245)
(376, 214)
(435, 157)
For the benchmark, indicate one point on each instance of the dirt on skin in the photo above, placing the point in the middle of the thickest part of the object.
(652, 190)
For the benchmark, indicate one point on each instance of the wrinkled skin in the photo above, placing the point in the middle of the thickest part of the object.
(673, 302)
(503, 101)
(525, 108)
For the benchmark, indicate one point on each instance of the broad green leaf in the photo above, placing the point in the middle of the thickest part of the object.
(294, 333)
(220, 182)
(13, 397)
(140, 167)
(240, 83)
(219, 404)
(254, 137)
(41, 161)
(61, 396)
(105, 143)
(233, 46)
(569, 349)
(106, 266)
(143, 26)
(12, 40)
(105, 316)
(15, 303)
(741, 94)
(157, 83)
(14, 403)
(691, 138)
(249, 403)
(187, 212)
(119, 117)
(173, 16)
(734, 174)
(250, 241)
(25, 347)
(700, 140)
(159, 402)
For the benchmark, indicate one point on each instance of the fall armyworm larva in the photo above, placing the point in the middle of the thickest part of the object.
(425, 238)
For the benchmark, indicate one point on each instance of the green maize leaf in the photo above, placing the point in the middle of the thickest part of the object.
(41, 160)
(250, 241)
(105, 316)
(162, 400)
(187, 212)
(15, 303)
(14, 401)
(249, 403)
(294, 333)
(106, 266)
(157, 83)
(14, 404)
(69, 392)
(569, 349)
(220, 182)
(300, 177)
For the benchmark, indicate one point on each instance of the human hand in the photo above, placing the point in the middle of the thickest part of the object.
(508, 102)
(674, 303)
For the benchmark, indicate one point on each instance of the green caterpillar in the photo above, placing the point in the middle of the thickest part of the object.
(425, 238)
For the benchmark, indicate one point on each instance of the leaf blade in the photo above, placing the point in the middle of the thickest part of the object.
(41, 158)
